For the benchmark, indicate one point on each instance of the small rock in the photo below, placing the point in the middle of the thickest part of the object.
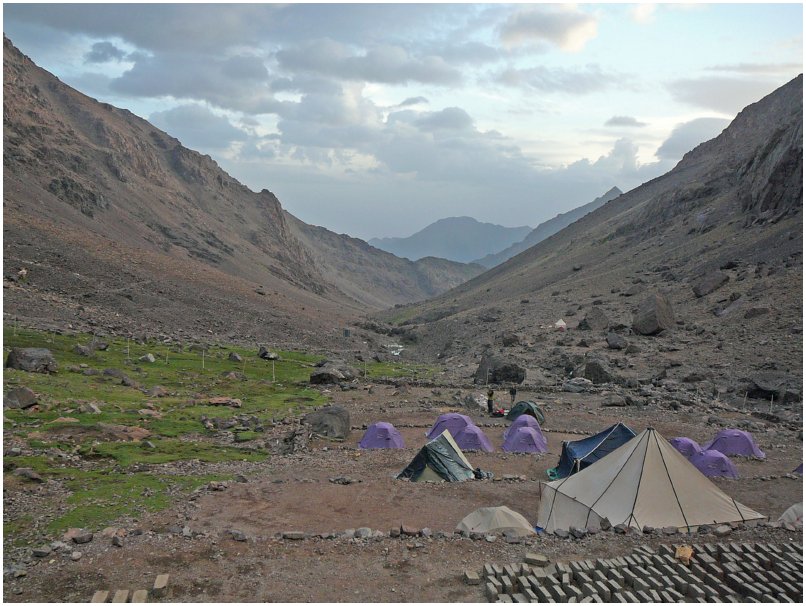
(560, 533)
(363, 533)
(293, 535)
(41, 552)
(117, 541)
(425, 532)
(237, 535)
(75, 556)
(234, 357)
(489, 538)
(722, 530)
(28, 474)
(149, 357)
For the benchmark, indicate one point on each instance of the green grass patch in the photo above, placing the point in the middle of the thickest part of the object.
(166, 451)
(186, 376)
(102, 495)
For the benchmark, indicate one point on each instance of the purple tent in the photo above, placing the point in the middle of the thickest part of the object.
(452, 421)
(381, 435)
(735, 442)
(713, 463)
(525, 439)
(522, 421)
(798, 469)
(472, 438)
(686, 446)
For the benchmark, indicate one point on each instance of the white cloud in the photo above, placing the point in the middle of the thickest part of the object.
(563, 26)
(643, 13)
(197, 127)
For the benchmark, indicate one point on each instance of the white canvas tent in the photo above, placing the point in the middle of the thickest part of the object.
(793, 515)
(644, 482)
(496, 519)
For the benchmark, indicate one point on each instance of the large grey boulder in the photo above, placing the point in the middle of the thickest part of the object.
(32, 359)
(333, 371)
(770, 384)
(595, 319)
(709, 283)
(330, 422)
(19, 397)
(654, 315)
(498, 370)
(616, 341)
(596, 370)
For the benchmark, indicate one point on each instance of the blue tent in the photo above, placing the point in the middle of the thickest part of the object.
(580, 454)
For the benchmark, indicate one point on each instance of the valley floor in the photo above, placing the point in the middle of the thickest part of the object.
(192, 540)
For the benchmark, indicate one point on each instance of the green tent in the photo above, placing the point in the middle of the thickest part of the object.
(526, 408)
(441, 460)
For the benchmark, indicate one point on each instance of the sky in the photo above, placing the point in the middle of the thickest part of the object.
(376, 120)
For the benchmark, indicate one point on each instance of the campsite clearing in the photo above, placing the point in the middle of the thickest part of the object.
(192, 539)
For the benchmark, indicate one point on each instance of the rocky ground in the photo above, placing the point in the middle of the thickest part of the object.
(225, 542)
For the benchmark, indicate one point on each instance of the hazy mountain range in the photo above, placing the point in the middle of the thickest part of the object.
(460, 239)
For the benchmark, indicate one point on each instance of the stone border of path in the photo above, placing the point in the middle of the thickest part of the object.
(722, 572)
(138, 596)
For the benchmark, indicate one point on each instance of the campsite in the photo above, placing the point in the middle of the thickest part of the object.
(301, 526)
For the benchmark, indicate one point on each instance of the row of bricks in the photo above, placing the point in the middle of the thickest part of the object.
(628, 597)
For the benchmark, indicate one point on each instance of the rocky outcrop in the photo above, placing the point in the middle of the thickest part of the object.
(774, 384)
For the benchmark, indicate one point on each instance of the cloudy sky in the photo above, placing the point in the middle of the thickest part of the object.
(378, 119)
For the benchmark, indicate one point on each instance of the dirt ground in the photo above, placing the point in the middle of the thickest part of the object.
(293, 493)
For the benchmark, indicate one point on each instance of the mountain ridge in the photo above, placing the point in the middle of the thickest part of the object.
(95, 193)
(453, 238)
(548, 228)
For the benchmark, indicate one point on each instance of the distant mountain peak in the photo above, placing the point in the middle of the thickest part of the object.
(459, 239)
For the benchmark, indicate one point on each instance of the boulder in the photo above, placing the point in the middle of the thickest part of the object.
(654, 315)
(613, 399)
(510, 339)
(265, 354)
(31, 359)
(493, 369)
(28, 474)
(577, 385)
(82, 350)
(596, 370)
(234, 357)
(330, 422)
(326, 376)
(333, 371)
(595, 319)
(709, 283)
(19, 397)
(755, 312)
(616, 341)
(767, 384)
(149, 357)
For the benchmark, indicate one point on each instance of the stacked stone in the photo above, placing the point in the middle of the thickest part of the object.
(727, 572)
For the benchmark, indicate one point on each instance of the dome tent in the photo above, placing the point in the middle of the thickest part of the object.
(521, 421)
(452, 421)
(526, 408)
(793, 515)
(685, 446)
(496, 519)
(714, 464)
(525, 439)
(579, 454)
(644, 482)
(440, 460)
(735, 442)
(473, 438)
(381, 435)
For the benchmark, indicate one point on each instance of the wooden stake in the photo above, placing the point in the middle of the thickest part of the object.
(127, 349)
(744, 402)
(273, 378)
(772, 397)
(202, 359)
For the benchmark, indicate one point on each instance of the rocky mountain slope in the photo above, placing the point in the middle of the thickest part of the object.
(118, 224)
(547, 228)
(721, 236)
(461, 239)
